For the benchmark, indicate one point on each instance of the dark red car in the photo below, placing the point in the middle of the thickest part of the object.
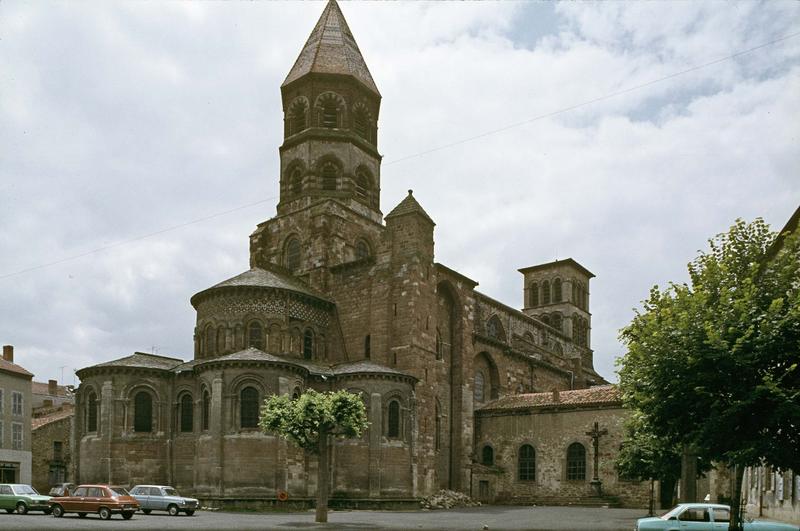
(101, 499)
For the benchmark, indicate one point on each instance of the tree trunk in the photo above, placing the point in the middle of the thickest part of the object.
(323, 477)
(651, 501)
(736, 501)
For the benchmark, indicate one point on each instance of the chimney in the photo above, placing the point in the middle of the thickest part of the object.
(52, 387)
(8, 353)
(556, 398)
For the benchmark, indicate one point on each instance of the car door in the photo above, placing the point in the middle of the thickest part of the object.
(6, 497)
(74, 503)
(142, 496)
(722, 518)
(94, 497)
(157, 499)
(696, 519)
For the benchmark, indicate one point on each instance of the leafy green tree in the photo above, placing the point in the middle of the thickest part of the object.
(310, 422)
(713, 364)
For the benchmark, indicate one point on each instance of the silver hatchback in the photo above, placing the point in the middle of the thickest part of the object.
(163, 498)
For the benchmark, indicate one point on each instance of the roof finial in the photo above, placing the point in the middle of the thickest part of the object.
(410, 192)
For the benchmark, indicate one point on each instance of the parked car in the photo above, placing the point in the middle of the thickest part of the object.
(62, 489)
(163, 498)
(22, 498)
(703, 517)
(101, 499)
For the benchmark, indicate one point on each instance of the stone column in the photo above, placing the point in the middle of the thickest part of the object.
(281, 444)
(107, 422)
(375, 430)
(217, 430)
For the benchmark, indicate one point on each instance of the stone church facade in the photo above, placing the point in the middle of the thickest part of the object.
(339, 296)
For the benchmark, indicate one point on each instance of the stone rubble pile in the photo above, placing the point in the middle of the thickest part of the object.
(446, 499)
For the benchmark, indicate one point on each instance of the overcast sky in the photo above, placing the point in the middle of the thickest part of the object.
(121, 119)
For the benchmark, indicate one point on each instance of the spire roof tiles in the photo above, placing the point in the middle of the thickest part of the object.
(409, 205)
(331, 49)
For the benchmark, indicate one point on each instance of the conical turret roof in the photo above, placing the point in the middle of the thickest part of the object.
(331, 49)
(409, 205)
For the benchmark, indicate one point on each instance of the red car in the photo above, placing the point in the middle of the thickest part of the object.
(101, 499)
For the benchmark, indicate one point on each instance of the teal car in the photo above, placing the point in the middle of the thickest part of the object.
(22, 498)
(703, 517)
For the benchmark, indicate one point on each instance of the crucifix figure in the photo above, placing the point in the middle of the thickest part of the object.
(595, 434)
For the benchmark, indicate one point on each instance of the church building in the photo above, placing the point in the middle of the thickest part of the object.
(462, 391)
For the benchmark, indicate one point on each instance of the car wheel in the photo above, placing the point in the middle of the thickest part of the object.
(22, 508)
(173, 510)
(127, 515)
(190, 512)
(81, 515)
(146, 511)
(105, 513)
(58, 511)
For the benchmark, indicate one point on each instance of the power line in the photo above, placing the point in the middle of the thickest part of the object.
(135, 239)
(423, 153)
(590, 102)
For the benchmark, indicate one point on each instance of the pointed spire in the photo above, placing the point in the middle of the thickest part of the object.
(409, 205)
(332, 49)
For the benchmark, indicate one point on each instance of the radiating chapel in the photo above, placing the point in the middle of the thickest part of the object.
(462, 391)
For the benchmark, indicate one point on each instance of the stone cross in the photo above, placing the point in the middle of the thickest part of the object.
(595, 434)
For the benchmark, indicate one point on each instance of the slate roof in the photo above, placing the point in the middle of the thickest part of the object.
(141, 360)
(260, 277)
(409, 205)
(60, 414)
(363, 367)
(332, 49)
(593, 396)
(7, 366)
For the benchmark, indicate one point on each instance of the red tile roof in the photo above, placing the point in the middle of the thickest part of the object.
(7, 366)
(43, 388)
(593, 396)
(66, 411)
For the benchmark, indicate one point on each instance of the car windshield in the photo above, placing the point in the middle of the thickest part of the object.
(24, 489)
(169, 491)
(119, 491)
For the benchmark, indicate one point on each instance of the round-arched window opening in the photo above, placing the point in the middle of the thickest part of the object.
(249, 407)
(293, 254)
(330, 114)
(308, 345)
(330, 174)
(363, 188)
(255, 335)
(296, 181)
(393, 427)
(143, 412)
(487, 456)
(480, 386)
(297, 117)
(186, 413)
(362, 250)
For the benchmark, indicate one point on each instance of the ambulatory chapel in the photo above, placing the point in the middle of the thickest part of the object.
(462, 391)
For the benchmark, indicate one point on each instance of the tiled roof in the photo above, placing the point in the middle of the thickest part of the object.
(143, 360)
(64, 412)
(409, 205)
(254, 354)
(7, 366)
(363, 366)
(259, 277)
(332, 49)
(593, 396)
(43, 388)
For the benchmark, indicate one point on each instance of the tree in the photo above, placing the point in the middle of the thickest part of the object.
(713, 364)
(310, 421)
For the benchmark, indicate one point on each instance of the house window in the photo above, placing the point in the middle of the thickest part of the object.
(487, 456)
(16, 403)
(393, 429)
(143, 412)
(91, 420)
(308, 344)
(527, 463)
(255, 335)
(1, 403)
(1, 433)
(534, 294)
(16, 436)
(293, 254)
(557, 290)
(206, 408)
(576, 462)
(362, 250)
(546, 292)
(330, 173)
(249, 408)
(478, 391)
(58, 451)
(187, 413)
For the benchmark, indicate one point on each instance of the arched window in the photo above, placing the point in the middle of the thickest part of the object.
(361, 122)
(494, 329)
(249, 407)
(220, 340)
(393, 417)
(91, 412)
(534, 294)
(367, 346)
(363, 187)
(255, 335)
(187, 413)
(546, 292)
(557, 290)
(308, 344)
(529, 338)
(206, 409)
(527, 463)
(576, 462)
(437, 431)
(330, 174)
(556, 321)
(574, 299)
(296, 181)
(296, 393)
(487, 456)
(330, 113)
(362, 250)
(545, 318)
(211, 341)
(297, 117)
(292, 255)
(478, 391)
(439, 345)
(143, 412)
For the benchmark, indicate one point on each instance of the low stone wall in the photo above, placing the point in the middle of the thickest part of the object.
(302, 504)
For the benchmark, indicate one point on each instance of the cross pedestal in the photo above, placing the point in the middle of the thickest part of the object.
(595, 434)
